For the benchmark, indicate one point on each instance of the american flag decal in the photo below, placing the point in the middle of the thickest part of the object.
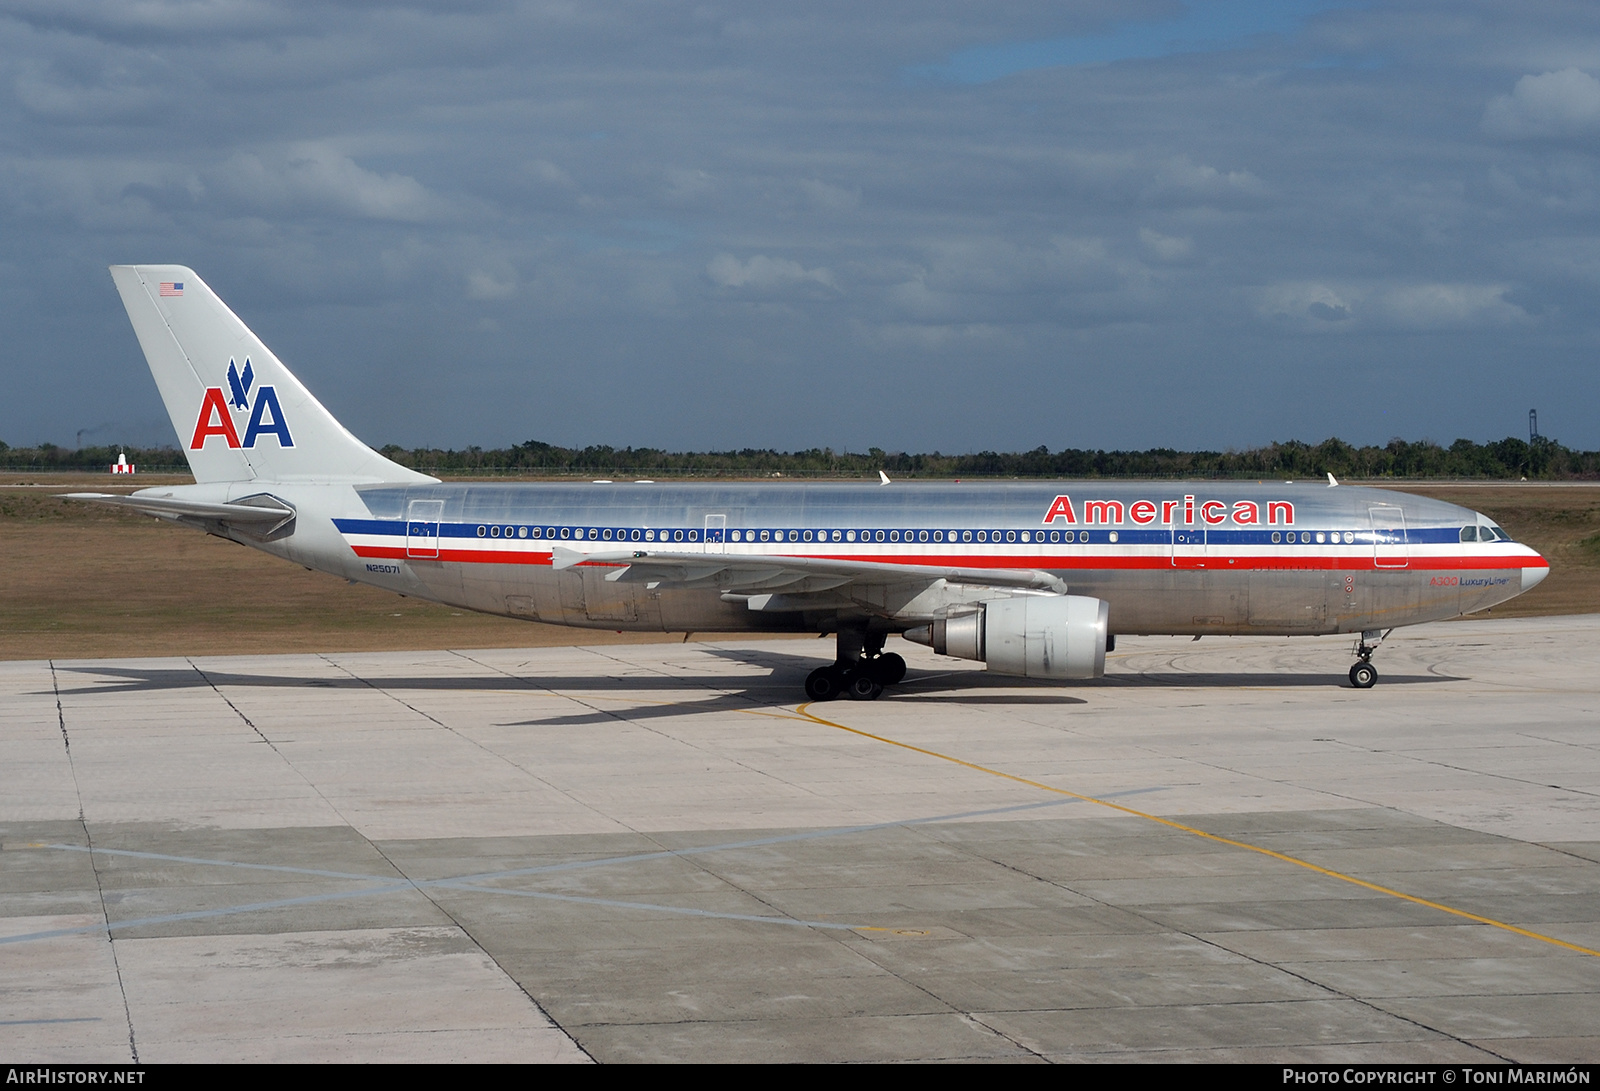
(172, 287)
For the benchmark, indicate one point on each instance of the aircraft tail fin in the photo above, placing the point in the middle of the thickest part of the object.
(239, 413)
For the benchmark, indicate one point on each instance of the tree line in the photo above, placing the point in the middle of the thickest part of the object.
(1510, 458)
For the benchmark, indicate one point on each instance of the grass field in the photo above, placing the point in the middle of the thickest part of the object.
(79, 581)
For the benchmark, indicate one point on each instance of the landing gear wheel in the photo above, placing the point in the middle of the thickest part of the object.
(888, 669)
(824, 684)
(1362, 675)
(861, 686)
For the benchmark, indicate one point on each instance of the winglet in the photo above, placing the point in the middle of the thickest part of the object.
(1332, 481)
(883, 478)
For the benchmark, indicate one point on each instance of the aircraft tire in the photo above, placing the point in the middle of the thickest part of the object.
(1363, 675)
(888, 669)
(861, 686)
(824, 684)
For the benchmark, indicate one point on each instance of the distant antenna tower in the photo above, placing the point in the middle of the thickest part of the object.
(1533, 427)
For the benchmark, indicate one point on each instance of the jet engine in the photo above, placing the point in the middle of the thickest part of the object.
(1031, 636)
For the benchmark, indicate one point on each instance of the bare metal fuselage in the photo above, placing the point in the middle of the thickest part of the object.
(1168, 557)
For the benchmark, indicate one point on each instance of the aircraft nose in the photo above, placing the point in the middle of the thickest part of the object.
(1532, 577)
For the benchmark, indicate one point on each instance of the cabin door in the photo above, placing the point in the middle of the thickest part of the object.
(716, 533)
(1188, 542)
(1390, 548)
(422, 529)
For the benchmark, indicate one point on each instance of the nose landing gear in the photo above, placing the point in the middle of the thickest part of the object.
(860, 669)
(1364, 674)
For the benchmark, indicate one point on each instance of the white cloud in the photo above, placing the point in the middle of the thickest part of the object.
(1564, 103)
(165, 17)
(1166, 247)
(829, 197)
(1446, 306)
(481, 285)
(686, 186)
(1180, 174)
(551, 175)
(315, 176)
(765, 274)
(1315, 306)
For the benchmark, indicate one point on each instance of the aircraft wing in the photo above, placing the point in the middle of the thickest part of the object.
(261, 514)
(776, 583)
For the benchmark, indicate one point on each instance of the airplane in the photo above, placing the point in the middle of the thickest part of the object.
(1035, 579)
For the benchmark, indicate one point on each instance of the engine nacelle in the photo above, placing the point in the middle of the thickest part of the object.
(1030, 636)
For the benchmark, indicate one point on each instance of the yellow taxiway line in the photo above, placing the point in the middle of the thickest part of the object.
(1295, 860)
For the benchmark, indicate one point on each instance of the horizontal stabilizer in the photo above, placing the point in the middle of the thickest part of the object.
(260, 515)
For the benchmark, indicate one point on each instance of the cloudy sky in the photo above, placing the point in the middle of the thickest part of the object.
(912, 225)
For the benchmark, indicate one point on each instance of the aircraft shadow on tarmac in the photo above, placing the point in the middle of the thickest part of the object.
(779, 687)
(966, 678)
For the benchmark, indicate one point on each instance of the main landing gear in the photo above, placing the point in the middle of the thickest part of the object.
(1364, 674)
(860, 670)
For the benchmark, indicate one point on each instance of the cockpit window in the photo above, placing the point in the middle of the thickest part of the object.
(1485, 531)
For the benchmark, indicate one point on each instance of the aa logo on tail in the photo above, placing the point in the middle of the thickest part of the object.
(216, 418)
